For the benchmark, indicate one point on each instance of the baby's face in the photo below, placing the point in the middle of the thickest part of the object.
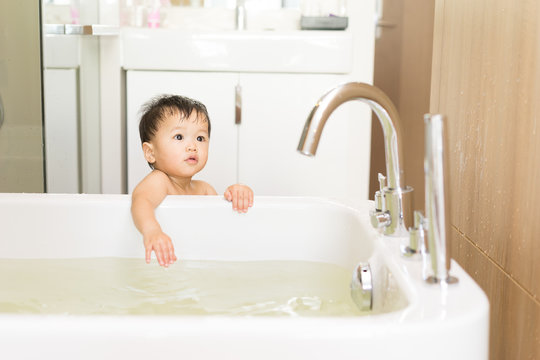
(180, 146)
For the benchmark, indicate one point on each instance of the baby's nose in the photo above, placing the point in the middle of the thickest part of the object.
(191, 147)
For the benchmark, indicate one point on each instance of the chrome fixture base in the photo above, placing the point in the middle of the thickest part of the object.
(449, 280)
(407, 251)
(436, 221)
(380, 219)
(417, 243)
(362, 287)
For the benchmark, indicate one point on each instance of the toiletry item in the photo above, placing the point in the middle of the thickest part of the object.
(324, 15)
(153, 18)
(75, 12)
(324, 22)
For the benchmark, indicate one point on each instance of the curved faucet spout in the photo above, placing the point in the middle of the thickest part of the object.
(388, 117)
(381, 105)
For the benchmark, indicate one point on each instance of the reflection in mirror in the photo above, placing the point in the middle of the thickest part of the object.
(194, 15)
(85, 144)
(71, 100)
(21, 153)
(60, 12)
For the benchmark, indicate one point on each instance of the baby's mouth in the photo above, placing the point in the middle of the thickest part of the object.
(192, 159)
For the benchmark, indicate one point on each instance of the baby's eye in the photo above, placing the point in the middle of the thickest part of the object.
(178, 136)
(200, 138)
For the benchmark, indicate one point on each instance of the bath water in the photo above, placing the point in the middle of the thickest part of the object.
(118, 286)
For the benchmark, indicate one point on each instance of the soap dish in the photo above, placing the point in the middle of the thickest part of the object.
(324, 22)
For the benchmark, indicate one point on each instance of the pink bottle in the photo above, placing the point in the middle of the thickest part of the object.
(154, 14)
(75, 12)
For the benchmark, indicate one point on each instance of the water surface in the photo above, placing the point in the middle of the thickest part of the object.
(123, 286)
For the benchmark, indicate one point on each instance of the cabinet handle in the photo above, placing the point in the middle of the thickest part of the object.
(238, 104)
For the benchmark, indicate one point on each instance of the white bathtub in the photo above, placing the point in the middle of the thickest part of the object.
(437, 322)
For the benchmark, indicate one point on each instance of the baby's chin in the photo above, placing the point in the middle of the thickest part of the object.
(190, 172)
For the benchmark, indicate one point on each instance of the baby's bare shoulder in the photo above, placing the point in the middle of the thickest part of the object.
(203, 188)
(157, 177)
(154, 185)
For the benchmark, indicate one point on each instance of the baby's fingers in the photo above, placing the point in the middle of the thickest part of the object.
(162, 256)
(239, 201)
(165, 254)
(228, 195)
(172, 256)
(241, 197)
(250, 198)
(234, 198)
(245, 201)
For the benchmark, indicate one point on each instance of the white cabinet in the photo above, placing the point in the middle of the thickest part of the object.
(61, 80)
(261, 151)
(73, 114)
(61, 131)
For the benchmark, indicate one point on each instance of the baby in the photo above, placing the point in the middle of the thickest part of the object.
(175, 133)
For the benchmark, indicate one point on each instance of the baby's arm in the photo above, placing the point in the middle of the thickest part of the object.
(145, 198)
(241, 197)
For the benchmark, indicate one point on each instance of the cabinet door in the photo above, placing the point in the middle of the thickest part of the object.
(275, 107)
(61, 131)
(216, 91)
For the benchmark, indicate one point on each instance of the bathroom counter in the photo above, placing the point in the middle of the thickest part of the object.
(248, 51)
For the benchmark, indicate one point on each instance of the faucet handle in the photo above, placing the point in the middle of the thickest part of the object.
(382, 182)
(379, 203)
(416, 236)
(380, 219)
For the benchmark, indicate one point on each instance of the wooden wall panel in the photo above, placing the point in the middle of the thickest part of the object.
(403, 72)
(514, 315)
(415, 85)
(486, 80)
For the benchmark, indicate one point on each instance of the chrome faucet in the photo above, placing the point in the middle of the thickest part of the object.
(436, 221)
(240, 14)
(390, 216)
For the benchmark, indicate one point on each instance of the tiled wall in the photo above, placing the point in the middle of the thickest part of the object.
(486, 80)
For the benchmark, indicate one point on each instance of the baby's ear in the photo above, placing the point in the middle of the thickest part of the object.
(148, 151)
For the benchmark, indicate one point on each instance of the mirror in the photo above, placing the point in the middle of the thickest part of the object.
(97, 149)
(82, 79)
(21, 156)
(71, 76)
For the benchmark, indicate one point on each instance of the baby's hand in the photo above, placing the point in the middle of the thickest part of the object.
(241, 197)
(161, 244)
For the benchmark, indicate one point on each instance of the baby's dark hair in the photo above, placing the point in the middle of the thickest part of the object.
(155, 111)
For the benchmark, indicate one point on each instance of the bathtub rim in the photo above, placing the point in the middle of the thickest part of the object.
(408, 272)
